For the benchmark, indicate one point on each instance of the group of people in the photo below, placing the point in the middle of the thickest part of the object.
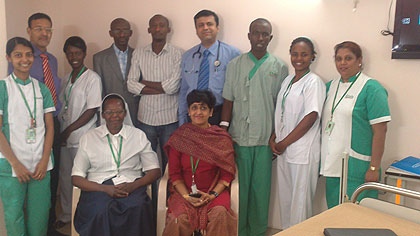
(211, 110)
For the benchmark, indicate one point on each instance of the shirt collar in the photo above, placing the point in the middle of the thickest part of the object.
(212, 49)
(353, 78)
(118, 51)
(254, 59)
(150, 49)
(19, 81)
(38, 52)
(104, 131)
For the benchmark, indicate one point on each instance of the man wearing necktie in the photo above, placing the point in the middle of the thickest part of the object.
(203, 67)
(44, 69)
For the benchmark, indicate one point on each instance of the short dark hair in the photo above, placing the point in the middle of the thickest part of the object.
(37, 16)
(304, 40)
(11, 44)
(203, 96)
(75, 41)
(261, 20)
(112, 96)
(206, 13)
(352, 46)
(159, 15)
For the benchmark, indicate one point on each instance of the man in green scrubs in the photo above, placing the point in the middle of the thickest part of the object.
(253, 81)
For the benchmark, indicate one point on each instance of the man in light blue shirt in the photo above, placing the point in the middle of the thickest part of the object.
(196, 73)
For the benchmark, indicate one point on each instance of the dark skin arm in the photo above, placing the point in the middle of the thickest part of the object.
(304, 125)
(81, 121)
(226, 112)
(152, 87)
(378, 146)
(117, 191)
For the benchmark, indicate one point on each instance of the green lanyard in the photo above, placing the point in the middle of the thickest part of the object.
(286, 93)
(118, 162)
(334, 106)
(67, 97)
(33, 121)
(194, 169)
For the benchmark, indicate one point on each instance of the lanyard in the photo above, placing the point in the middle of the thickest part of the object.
(286, 93)
(67, 97)
(194, 169)
(33, 121)
(334, 106)
(119, 152)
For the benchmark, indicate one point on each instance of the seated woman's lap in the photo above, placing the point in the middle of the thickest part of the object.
(99, 214)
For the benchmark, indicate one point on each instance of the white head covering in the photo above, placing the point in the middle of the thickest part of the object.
(127, 119)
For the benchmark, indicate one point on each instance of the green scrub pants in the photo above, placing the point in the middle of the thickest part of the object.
(34, 197)
(356, 177)
(254, 166)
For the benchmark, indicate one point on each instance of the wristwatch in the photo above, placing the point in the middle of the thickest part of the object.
(214, 193)
(372, 168)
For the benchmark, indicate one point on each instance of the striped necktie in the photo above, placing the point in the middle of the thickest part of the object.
(203, 76)
(48, 78)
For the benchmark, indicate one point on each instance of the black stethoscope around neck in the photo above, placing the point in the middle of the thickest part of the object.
(198, 52)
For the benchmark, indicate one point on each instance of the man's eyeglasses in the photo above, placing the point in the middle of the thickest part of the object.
(108, 113)
(39, 29)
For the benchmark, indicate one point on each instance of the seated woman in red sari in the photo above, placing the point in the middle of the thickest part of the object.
(201, 168)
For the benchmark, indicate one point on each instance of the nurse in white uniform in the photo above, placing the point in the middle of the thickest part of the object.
(297, 141)
(81, 97)
(26, 137)
(354, 121)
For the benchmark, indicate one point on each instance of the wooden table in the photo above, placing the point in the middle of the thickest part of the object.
(349, 215)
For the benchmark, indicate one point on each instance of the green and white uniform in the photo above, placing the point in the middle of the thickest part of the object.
(16, 122)
(252, 85)
(365, 104)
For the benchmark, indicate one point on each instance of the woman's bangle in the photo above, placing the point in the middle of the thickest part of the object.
(186, 196)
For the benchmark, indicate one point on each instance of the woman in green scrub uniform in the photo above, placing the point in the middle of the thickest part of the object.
(26, 137)
(354, 122)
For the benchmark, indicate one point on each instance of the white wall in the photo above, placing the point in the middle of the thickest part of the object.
(327, 22)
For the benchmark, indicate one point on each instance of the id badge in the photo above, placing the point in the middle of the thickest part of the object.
(330, 127)
(194, 188)
(31, 135)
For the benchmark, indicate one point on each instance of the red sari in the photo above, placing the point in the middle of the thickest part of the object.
(214, 149)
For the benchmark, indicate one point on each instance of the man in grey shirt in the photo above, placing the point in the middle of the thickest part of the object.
(113, 65)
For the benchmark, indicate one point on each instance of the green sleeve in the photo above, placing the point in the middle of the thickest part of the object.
(46, 95)
(3, 96)
(376, 100)
(229, 77)
(282, 73)
(327, 85)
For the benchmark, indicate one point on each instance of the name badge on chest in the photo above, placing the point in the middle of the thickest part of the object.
(31, 135)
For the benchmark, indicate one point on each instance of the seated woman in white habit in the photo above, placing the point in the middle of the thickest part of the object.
(113, 166)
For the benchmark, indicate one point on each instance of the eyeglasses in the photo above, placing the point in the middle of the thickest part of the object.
(39, 29)
(108, 113)
(126, 32)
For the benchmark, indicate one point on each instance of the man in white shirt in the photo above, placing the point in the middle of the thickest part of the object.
(109, 168)
(158, 64)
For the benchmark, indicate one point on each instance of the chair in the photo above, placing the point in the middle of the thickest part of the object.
(162, 206)
(399, 211)
(75, 200)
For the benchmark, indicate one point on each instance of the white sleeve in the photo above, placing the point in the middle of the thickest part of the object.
(148, 157)
(81, 162)
(314, 95)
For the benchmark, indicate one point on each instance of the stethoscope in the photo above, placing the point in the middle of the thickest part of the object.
(198, 52)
